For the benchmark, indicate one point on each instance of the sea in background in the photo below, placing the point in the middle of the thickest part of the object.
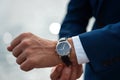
(41, 17)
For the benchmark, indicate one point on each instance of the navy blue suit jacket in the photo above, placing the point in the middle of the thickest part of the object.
(102, 44)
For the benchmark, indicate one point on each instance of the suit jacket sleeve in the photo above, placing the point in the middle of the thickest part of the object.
(102, 47)
(76, 19)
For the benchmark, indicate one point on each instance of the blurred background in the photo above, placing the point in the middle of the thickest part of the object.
(41, 17)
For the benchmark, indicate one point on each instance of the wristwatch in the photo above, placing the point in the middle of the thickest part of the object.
(63, 49)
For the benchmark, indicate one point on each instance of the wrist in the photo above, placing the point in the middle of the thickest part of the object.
(58, 60)
(73, 57)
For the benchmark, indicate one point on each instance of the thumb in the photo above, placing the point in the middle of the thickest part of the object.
(56, 72)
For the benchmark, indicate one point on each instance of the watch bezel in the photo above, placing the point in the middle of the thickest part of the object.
(63, 54)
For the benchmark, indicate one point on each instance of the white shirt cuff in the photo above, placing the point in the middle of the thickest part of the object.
(80, 53)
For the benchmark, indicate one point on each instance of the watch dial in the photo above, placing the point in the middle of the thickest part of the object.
(63, 48)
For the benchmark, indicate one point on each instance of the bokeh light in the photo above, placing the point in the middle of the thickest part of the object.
(7, 37)
(55, 28)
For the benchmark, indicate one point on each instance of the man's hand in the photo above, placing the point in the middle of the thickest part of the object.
(62, 72)
(34, 52)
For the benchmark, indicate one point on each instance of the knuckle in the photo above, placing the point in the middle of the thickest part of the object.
(26, 34)
(28, 52)
(17, 61)
(14, 53)
(26, 42)
(31, 61)
(23, 68)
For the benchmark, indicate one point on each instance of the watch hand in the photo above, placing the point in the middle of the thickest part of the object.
(63, 46)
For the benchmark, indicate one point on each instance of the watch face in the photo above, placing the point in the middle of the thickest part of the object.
(63, 48)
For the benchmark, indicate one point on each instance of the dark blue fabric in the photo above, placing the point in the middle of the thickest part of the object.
(102, 45)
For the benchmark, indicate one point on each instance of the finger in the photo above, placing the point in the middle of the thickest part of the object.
(73, 73)
(27, 65)
(14, 43)
(66, 73)
(17, 50)
(56, 72)
(21, 58)
(17, 40)
(9, 48)
(53, 69)
(79, 71)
